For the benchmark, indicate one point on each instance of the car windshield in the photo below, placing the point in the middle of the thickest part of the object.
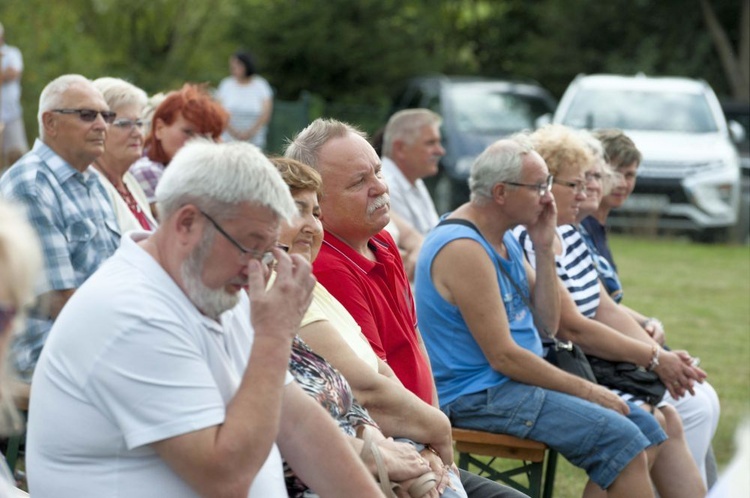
(641, 110)
(493, 111)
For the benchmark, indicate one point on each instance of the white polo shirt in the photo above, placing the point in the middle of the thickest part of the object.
(411, 202)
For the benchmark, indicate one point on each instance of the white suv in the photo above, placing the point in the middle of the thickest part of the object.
(690, 176)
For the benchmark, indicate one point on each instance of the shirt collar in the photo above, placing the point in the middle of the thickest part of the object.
(58, 166)
(377, 244)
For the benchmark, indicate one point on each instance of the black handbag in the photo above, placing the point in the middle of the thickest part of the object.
(629, 378)
(564, 355)
(568, 357)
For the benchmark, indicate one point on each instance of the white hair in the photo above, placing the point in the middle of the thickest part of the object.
(119, 93)
(406, 125)
(217, 177)
(501, 162)
(52, 95)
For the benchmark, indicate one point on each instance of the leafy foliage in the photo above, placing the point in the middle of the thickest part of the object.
(359, 51)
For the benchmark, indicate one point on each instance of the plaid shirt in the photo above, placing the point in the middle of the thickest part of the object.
(71, 213)
(148, 173)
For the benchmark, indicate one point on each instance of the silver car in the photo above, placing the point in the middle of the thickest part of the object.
(689, 179)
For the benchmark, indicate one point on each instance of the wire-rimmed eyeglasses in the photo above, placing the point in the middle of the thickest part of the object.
(266, 258)
(578, 186)
(541, 188)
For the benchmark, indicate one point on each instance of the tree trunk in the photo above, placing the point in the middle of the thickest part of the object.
(736, 66)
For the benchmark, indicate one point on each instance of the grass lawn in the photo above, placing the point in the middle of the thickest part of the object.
(702, 295)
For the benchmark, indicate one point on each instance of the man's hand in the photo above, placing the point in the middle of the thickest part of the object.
(278, 310)
(542, 231)
(604, 397)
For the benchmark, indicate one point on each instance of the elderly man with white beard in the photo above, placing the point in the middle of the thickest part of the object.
(165, 375)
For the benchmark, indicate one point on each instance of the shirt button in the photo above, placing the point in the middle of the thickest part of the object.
(529, 423)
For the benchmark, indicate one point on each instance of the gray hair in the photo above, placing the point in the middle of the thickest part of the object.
(406, 125)
(501, 162)
(119, 93)
(305, 147)
(217, 177)
(52, 95)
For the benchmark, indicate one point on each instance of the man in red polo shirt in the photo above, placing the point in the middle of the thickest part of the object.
(359, 262)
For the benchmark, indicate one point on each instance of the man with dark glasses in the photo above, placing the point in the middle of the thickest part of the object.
(64, 201)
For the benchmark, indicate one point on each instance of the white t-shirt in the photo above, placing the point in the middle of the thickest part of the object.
(244, 102)
(131, 361)
(411, 202)
(11, 90)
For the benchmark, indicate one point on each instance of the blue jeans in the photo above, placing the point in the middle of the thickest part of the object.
(596, 439)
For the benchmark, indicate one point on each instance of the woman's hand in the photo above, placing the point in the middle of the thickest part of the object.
(401, 460)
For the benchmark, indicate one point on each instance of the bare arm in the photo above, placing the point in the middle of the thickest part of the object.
(464, 275)
(600, 340)
(543, 279)
(223, 460)
(670, 370)
(398, 411)
(318, 451)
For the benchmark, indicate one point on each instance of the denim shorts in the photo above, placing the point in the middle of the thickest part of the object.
(596, 439)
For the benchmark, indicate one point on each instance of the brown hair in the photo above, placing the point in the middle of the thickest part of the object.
(196, 105)
(297, 175)
(620, 149)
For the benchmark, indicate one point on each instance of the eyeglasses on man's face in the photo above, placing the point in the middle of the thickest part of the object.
(541, 188)
(579, 187)
(266, 258)
(89, 115)
(128, 124)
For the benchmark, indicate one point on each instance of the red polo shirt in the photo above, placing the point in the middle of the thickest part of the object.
(378, 296)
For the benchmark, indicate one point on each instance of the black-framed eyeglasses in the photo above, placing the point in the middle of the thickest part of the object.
(541, 188)
(89, 115)
(7, 314)
(128, 124)
(578, 187)
(266, 258)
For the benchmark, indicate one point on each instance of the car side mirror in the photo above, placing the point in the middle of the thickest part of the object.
(543, 120)
(737, 131)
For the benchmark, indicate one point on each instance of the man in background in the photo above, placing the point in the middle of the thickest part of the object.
(64, 201)
(411, 152)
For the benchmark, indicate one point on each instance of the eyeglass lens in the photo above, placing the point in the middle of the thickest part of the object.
(128, 124)
(89, 115)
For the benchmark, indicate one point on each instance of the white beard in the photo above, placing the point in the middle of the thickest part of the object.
(212, 302)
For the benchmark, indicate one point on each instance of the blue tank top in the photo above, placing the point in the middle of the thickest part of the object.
(458, 363)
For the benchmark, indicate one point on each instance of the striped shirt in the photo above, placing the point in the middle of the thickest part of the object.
(574, 267)
(76, 225)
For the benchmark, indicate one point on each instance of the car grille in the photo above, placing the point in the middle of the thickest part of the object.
(671, 187)
(673, 169)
